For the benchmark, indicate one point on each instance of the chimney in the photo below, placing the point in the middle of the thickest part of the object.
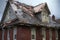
(53, 17)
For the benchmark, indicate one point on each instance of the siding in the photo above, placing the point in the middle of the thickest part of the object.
(59, 34)
(47, 34)
(0, 34)
(53, 35)
(23, 33)
(38, 34)
(5, 35)
(11, 34)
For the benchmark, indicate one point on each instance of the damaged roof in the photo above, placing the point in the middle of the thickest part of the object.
(30, 10)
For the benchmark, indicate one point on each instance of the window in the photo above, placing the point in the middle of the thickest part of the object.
(50, 34)
(56, 35)
(14, 33)
(44, 33)
(8, 36)
(33, 34)
(15, 11)
(15, 36)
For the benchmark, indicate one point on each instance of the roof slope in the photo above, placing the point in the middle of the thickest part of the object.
(29, 13)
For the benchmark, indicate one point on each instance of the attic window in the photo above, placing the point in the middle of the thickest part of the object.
(9, 11)
(15, 11)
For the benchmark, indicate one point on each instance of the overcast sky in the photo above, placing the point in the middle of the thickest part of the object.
(54, 5)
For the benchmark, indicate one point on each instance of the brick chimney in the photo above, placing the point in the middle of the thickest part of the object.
(53, 17)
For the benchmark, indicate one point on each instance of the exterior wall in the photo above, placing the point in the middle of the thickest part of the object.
(38, 34)
(0, 34)
(58, 34)
(47, 34)
(26, 33)
(53, 35)
(45, 16)
(10, 14)
(5, 35)
(11, 34)
(23, 33)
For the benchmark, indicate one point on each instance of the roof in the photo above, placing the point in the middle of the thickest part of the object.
(40, 7)
(30, 10)
(16, 21)
(58, 21)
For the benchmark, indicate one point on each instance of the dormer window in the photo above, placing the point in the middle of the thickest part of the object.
(15, 11)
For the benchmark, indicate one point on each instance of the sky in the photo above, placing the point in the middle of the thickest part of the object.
(54, 5)
(2, 7)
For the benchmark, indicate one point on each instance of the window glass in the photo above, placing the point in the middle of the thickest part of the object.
(33, 34)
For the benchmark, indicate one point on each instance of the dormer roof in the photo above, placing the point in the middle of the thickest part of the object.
(40, 8)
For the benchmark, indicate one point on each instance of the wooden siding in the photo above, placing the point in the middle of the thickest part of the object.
(53, 35)
(47, 34)
(11, 34)
(38, 34)
(23, 34)
(5, 35)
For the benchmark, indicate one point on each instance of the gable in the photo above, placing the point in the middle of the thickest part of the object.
(10, 15)
(41, 7)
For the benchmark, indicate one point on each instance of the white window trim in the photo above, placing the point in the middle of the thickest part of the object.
(33, 32)
(50, 34)
(56, 35)
(14, 33)
(43, 34)
(8, 36)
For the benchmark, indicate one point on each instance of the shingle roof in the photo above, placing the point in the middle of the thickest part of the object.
(30, 10)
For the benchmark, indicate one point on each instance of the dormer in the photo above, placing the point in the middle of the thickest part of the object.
(43, 12)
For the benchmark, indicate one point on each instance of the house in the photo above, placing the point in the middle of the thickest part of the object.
(24, 22)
